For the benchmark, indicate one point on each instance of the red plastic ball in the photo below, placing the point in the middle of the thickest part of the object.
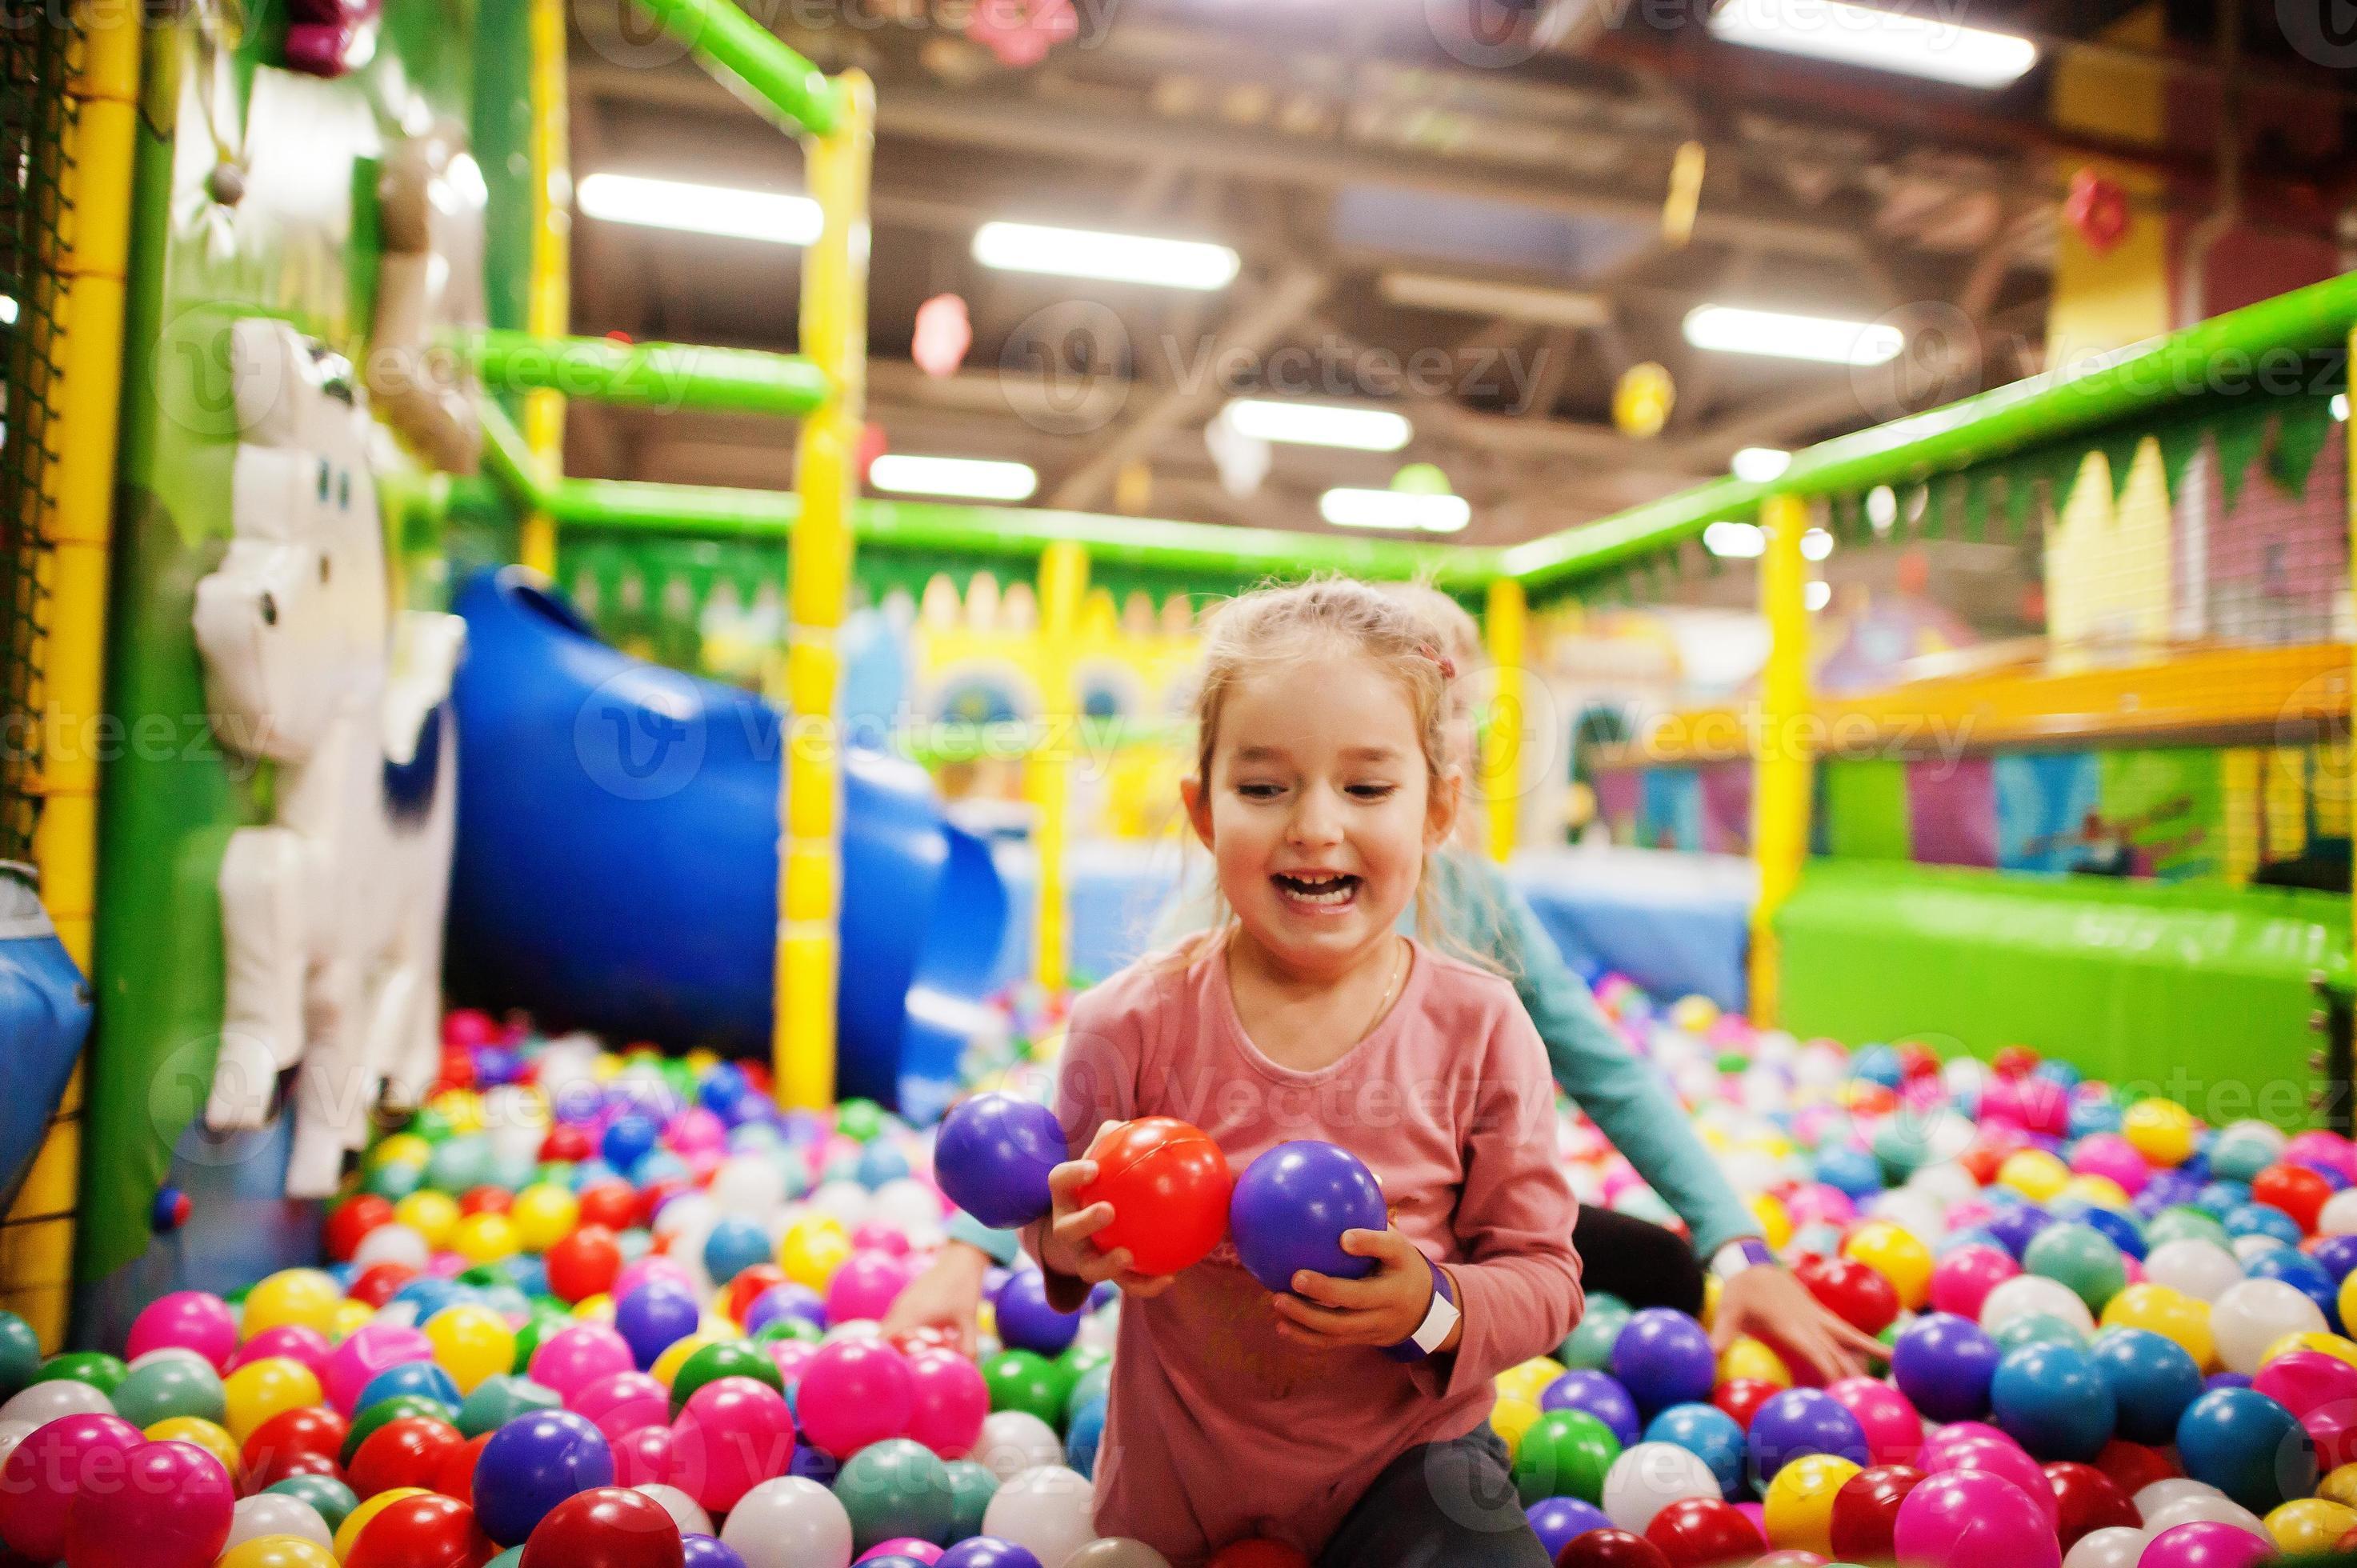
(1861, 1296)
(2089, 1500)
(2133, 1466)
(1609, 1549)
(1260, 1554)
(1866, 1511)
(1982, 1161)
(747, 1288)
(277, 1467)
(405, 1453)
(1168, 1184)
(610, 1205)
(1916, 1061)
(566, 1144)
(584, 1264)
(2297, 1190)
(467, 1026)
(353, 1220)
(1743, 1397)
(652, 1197)
(455, 1476)
(486, 1200)
(307, 1429)
(1701, 1532)
(2014, 1061)
(456, 1071)
(429, 1531)
(610, 1527)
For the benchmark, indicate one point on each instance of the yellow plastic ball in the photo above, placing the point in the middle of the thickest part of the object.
(1775, 1221)
(348, 1532)
(1693, 1013)
(676, 1353)
(2333, 1345)
(2339, 1485)
(544, 1214)
(2349, 1297)
(302, 1298)
(463, 1107)
(351, 1316)
(2096, 1192)
(485, 1239)
(260, 1389)
(1799, 1507)
(600, 1308)
(700, 1060)
(2162, 1130)
(2035, 1174)
(433, 1215)
(277, 1551)
(470, 1343)
(1510, 1418)
(402, 1148)
(1530, 1380)
(813, 1249)
(2309, 1525)
(1712, 1287)
(207, 1436)
(2172, 1314)
(1897, 1256)
(1750, 1357)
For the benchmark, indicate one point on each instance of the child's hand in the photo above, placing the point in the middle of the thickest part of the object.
(1065, 1247)
(1381, 1310)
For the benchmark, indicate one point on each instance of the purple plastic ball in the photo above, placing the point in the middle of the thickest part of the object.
(787, 1300)
(1291, 1206)
(1599, 1395)
(1663, 1358)
(654, 1317)
(1026, 1321)
(707, 1551)
(2015, 1224)
(1943, 1363)
(1558, 1520)
(1802, 1421)
(994, 1156)
(988, 1552)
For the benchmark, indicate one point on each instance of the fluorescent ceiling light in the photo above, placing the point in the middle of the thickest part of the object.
(1817, 596)
(720, 210)
(1111, 258)
(7, 310)
(1319, 423)
(1759, 465)
(1735, 541)
(2340, 399)
(1736, 330)
(1398, 510)
(969, 478)
(1816, 544)
(1925, 45)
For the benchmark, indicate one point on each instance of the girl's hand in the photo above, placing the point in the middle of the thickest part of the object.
(1381, 1310)
(946, 1295)
(1768, 1303)
(1064, 1244)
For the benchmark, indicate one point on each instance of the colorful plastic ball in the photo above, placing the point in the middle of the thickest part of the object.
(420, 1380)
(2078, 1256)
(39, 1403)
(189, 1320)
(1291, 1207)
(1710, 1433)
(1026, 1321)
(331, 1497)
(276, 1513)
(894, 1488)
(2152, 1378)
(1566, 1454)
(302, 1298)
(1047, 1510)
(2053, 1401)
(1896, 1255)
(606, 1527)
(1802, 1421)
(422, 1531)
(2297, 1191)
(170, 1505)
(1169, 1187)
(1964, 1519)
(655, 1317)
(1648, 1477)
(854, 1394)
(813, 1249)
(1963, 1278)
(170, 1385)
(1968, 1446)
(950, 1402)
(2159, 1130)
(470, 1343)
(1799, 1503)
(2248, 1446)
(2205, 1544)
(1663, 1358)
(1599, 1395)
(2253, 1315)
(1614, 1548)
(1749, 1359)
(1702, 1532)
(1556, 1521)
(2087, 1500)
(533, 1463)
(572, 1359)
(260, 1389)
(278, 1551)
(2120, 1546)
(2169, 1313)
(1861, 1296)
(2301, 1381)
(1865, 1512)
(47, 1469)
(1741, 1398)
(405, 1453)
(788, 1523)
(2309, 1526)
(732, 1435)
(1943, 1365)
(1894, 1431)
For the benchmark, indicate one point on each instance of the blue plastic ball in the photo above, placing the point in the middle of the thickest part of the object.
(2053, 1401)
(735, 1245)
(530, 1464)
(629, 1139)
(2152, 1378)
(423, 1379)
(2304, 1274)
(1849, 1170)
(986, 1551)
(879, 1162)
(2015, 1224)
(2260, 1220)
(707, 1551)
(2248, 1446)
(1558, 1520)
(992, 1156)
(1087, 1432)
(1710, 1434)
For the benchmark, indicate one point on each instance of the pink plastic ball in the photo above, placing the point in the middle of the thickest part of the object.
(2110, 1155)
(1818, 1204)
(48, 1467)
(172, 1510)
(695, 1130)
(654, 1266)
(2329, 1150)
(874, 1236)
(852, 1394)
(2000, 1103)
(1757, 1514)
(372, 1347)
(468, 1026)
(790, 1357)
(291, 1340)
(2133, 1268)
(622, 1403)
(1961, 1280)
(704, 1164)
(2004, 1460)
(1970, 1519)
(570, 1359)
(902, 1546)
(865, 1286)
(185, 1320)
(447, 1265)
(646, 1457)
(733, 1435)
(1618, 1182)
(2205, 1544)
(1972, 1211)
(951, 1400)
(1894, 1432)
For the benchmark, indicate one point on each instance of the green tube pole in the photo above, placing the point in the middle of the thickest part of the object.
(749, 59)
(662, 376)
(2223, 354)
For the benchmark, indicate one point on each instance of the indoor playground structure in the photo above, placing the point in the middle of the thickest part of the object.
(507, 977)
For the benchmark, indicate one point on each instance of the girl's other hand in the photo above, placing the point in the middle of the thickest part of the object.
(1381, 1310)
(1769, 1304)
(1065, 1246)
(946, 1295)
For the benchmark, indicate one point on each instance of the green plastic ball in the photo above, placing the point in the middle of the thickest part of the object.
(2182, 1221)
(860, 1119)
(1094, 1383)
(1019, 1379)
(726, 1358)
(20, 1354)
(394, 1179)
(792, 1326)
(895, 1489)
(500, 1398)
(460, 1164)
(545, 1319)
(2081, 1257)
(2035, 1328)
(2239, 1156)
(1078, 1358)
(1589, 1347)
(1564, 1454)
(169, 1386)
(385, 1410)
(331, 1497)
(99, 1370)
(970, 1490)
(512, 1558)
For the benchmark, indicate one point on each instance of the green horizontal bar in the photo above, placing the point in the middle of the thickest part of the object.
(662, 376)
(2219, 356)
(949, 741)
(749, 58)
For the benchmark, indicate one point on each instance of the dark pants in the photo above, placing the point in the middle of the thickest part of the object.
(1637, 1261)
(1444, 1505)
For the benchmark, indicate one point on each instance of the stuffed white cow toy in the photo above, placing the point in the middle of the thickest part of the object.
(332, 915)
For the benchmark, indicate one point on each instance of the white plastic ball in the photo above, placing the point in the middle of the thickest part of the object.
(171, 1353)
(42, 1404)
(2202, 1269)
(2151, 1498)
(2267, 1132)
(683, 1509)
(11, 1433)
(1944, 1184)
(1100, 1328)
(853, 1328)
(1963, 1076)
(2249, 1250)
(393, 1243)
(1917, 1213)
(1648, 1477)
(1014, 1440)
(846, 1200)
(2026, 1293)
(2253, 1314)
(790, 1521)
(276, 1513)
(2117, 1546)
(691, 1213)
(2339, 1217)
(750, 1185)
(2214, 1508)
(1116, 1552)
(907, 1204)
(1050, 1512)
(517, 1120)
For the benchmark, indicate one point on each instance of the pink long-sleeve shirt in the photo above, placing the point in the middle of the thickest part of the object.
(1218, 1428)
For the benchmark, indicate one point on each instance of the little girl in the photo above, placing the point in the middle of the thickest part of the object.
(1348, 1418)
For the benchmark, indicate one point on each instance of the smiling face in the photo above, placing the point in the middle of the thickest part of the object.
(1317, 807)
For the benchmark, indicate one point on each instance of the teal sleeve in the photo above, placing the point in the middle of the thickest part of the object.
(1001, 1245)
(1624, 1095)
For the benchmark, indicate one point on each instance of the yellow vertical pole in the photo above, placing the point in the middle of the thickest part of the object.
(36, 1239)
(548, 304)
(1508, 630)
(818, 590)
(1780, 787)
(1063, 582)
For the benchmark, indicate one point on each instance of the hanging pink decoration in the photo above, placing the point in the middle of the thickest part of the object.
(943, 334)
(1021, 32)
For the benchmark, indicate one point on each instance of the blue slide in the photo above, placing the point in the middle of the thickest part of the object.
(44, 1014)
(616, 860)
